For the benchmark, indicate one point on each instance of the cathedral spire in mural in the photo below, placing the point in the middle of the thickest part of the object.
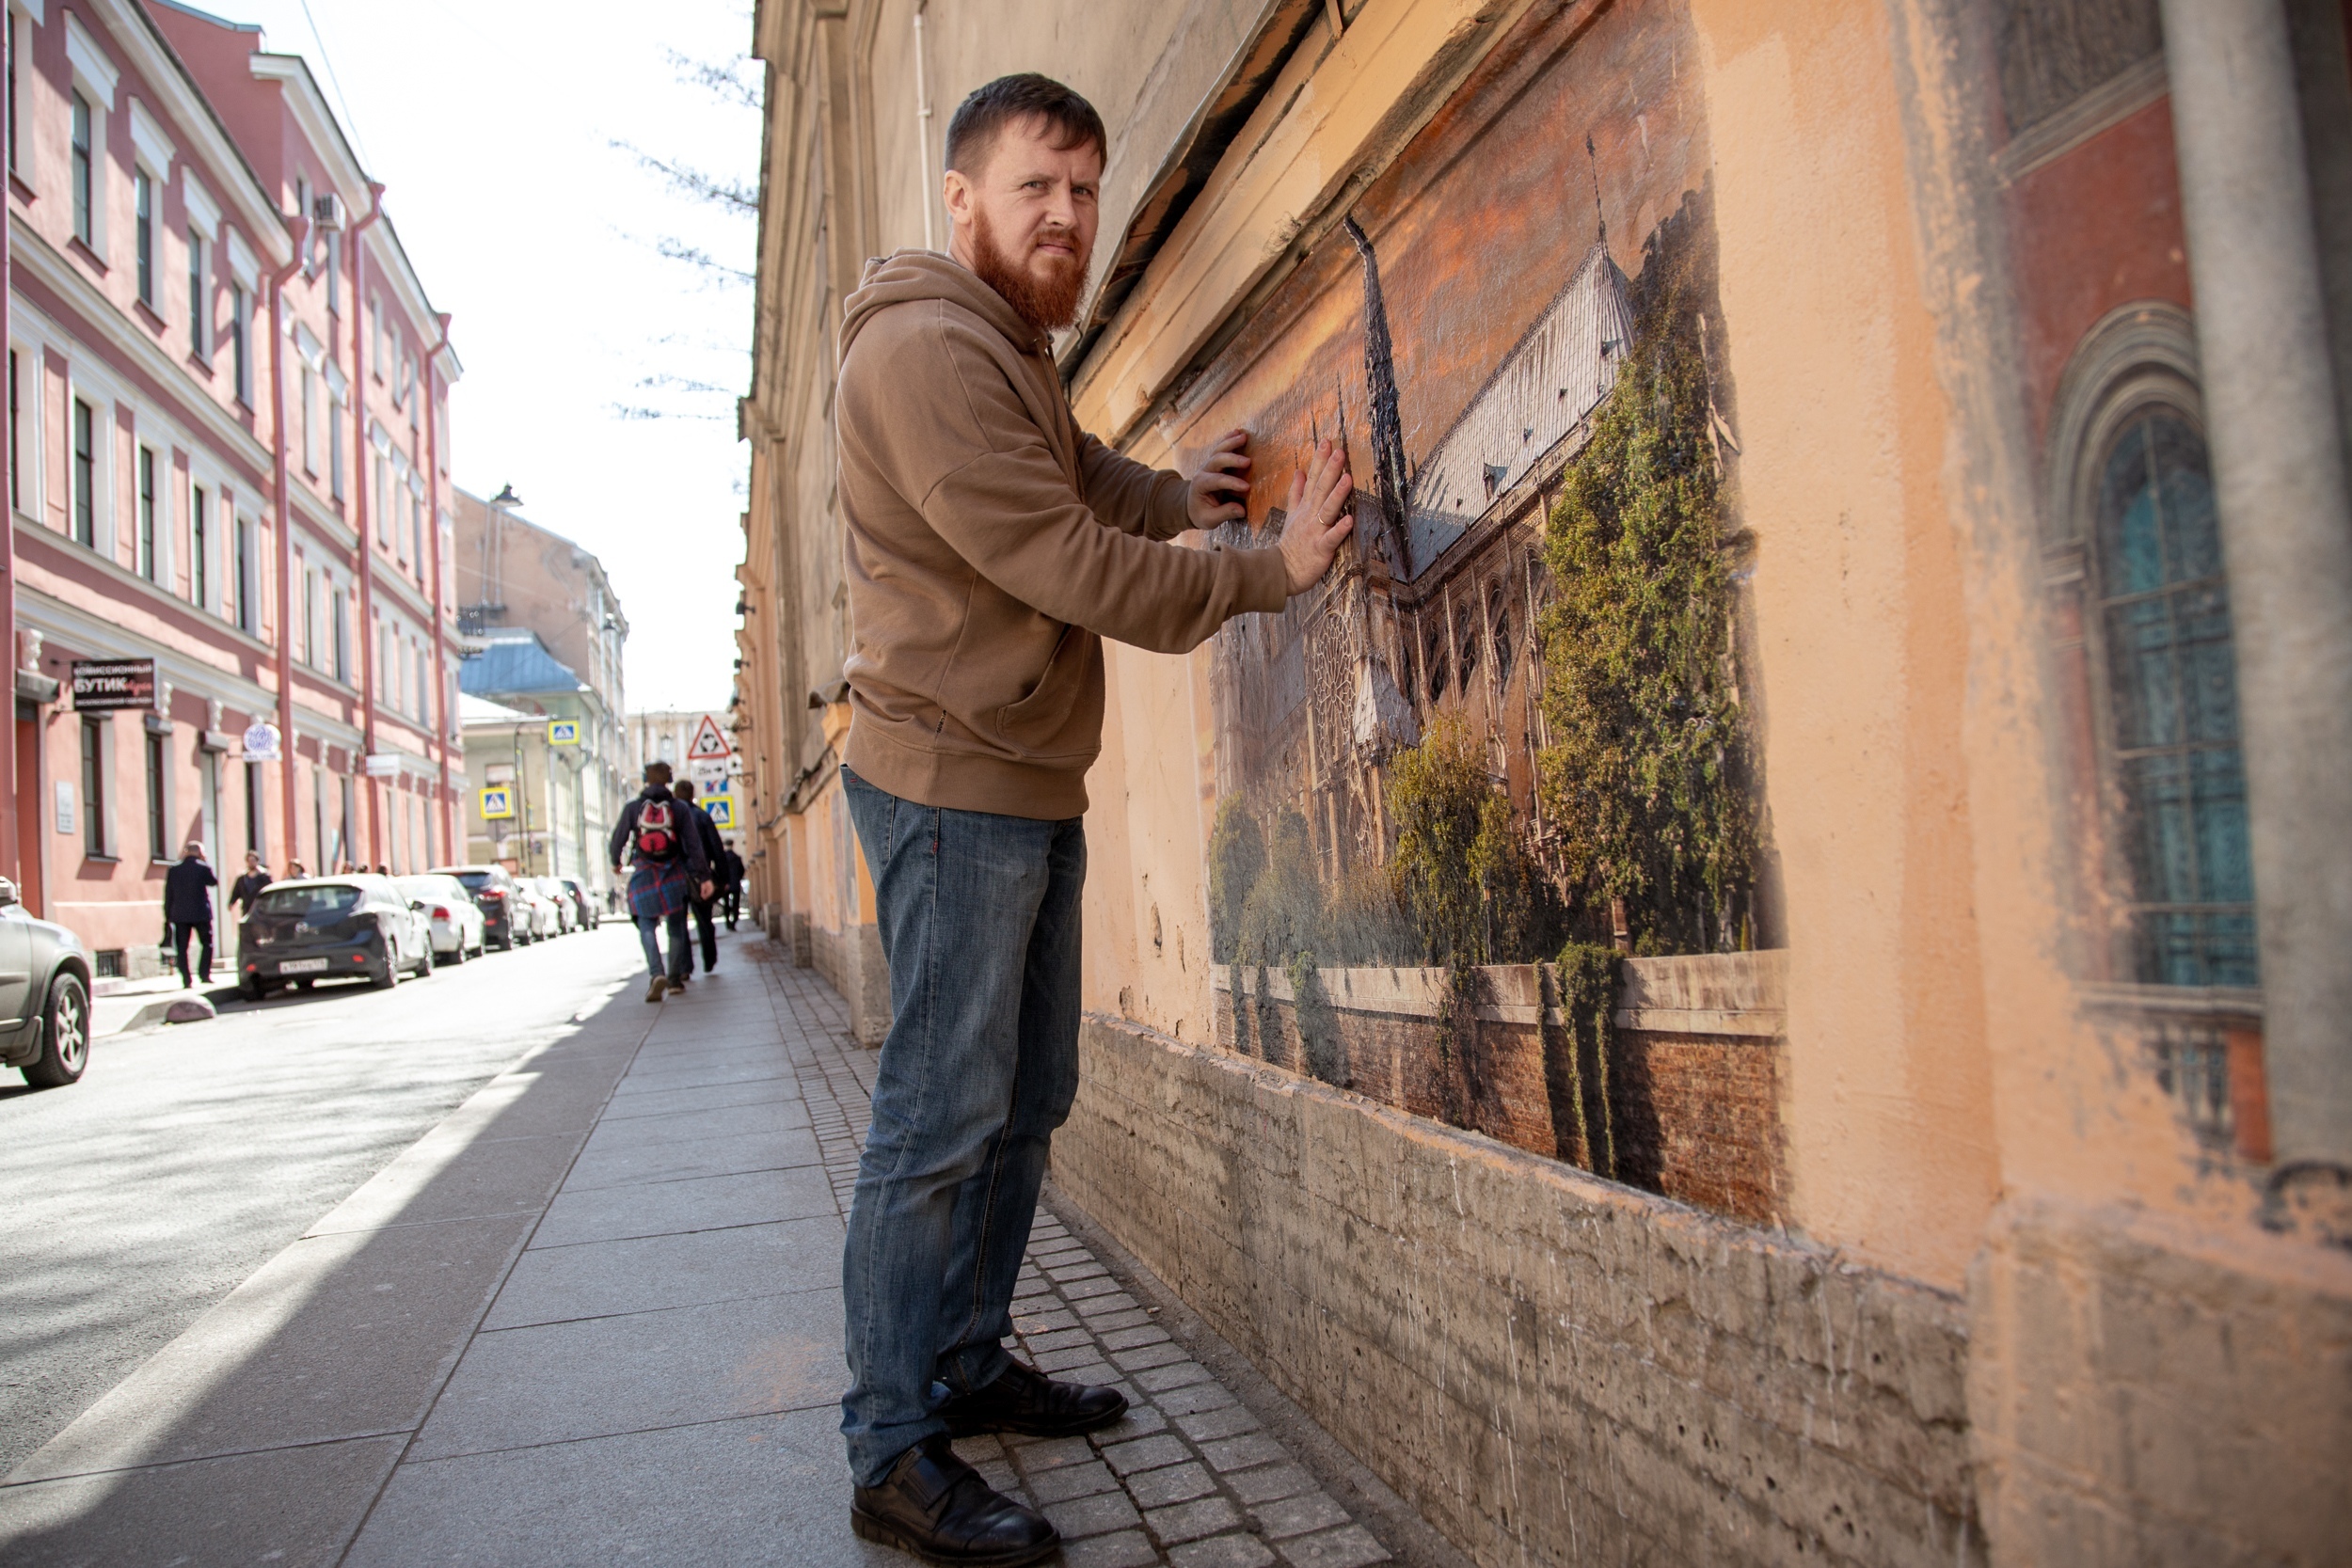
(1388, 428)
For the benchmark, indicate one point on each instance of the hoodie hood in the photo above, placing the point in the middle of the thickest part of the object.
(906, 277)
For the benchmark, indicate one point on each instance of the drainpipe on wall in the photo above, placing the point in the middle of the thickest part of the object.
(362, 468)
(929, 193)
(452, 852)
(2274, 429)
(9, 805)
(283, 496)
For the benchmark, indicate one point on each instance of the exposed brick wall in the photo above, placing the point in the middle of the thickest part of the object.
(1553, 1368)
(1695, 1116)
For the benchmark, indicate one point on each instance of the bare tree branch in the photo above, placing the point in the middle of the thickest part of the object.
(684, 384)
(678, 250)
(633, 411)
(721, 80)
(728, 194)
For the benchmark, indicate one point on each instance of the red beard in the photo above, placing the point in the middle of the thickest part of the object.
(1048, 306)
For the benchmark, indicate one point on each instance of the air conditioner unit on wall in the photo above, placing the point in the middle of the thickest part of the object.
(327, 213)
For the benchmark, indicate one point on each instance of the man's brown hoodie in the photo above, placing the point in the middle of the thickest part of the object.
(991, 544)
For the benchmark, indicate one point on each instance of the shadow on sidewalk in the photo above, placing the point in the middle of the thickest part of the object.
(269, 1429)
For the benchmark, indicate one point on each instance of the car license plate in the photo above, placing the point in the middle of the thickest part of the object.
(302, 966)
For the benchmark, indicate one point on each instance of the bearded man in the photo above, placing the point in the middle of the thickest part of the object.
(991, 544)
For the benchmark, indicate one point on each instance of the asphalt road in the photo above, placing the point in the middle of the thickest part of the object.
(188, 1156)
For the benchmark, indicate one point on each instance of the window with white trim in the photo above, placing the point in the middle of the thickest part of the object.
(85, 474)
(336, 462)
(143, 233)
(200, 549)
(240, 344)
(147, 553)
(311, 419)
(84, 175)
(200, 336)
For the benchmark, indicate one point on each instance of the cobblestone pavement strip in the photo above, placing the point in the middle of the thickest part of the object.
(650, 1367)
(1189, 1478)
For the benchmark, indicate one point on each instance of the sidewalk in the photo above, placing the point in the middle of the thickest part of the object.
(596, 1314)
(122, 1006)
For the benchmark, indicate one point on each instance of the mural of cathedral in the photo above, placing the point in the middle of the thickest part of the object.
(1465, 366)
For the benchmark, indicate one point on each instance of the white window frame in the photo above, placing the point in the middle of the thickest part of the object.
(151, 154)
(338, 443)
(204, 228)
(23, 19)
(95, 77)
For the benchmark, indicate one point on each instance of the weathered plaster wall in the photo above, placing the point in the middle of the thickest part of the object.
(1555, 1369)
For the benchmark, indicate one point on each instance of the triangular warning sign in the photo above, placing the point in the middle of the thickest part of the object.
(709, 744)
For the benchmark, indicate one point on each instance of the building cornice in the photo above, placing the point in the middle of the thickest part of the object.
(134, 32)
(1347, 112)
(300, 91)
(69, 622)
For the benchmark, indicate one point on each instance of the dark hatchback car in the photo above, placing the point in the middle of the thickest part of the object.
(495, 891)
(357, 928)
(45, 996)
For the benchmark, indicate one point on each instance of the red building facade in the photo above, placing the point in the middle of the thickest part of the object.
(229, 453)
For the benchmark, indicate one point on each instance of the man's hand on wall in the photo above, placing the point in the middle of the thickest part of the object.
(1220, 493)
(1317, 520)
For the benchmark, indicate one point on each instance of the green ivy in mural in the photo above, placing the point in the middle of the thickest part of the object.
(1588, 977)
(1236, 856)
(1461, 873)
(1645, 781)
(1282, 911)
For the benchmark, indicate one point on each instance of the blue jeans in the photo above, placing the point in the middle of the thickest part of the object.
(681, 955)
(980, 922)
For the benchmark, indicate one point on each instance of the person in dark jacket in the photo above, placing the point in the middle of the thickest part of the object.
(731, 889)
(188, 907)
(715, 852)
(657, 841)
(246, 889)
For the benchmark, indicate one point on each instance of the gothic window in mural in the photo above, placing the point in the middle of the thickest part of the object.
(1504, 746)
(2164, 615)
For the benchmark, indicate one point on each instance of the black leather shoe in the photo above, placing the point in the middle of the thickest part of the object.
(937, 1507)
(1024, 1401)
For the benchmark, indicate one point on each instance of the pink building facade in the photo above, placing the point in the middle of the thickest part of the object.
(228, 454)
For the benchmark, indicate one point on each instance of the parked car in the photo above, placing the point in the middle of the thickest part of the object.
(504, 922)
(353, 927)
(45, 996)
(537, 915)
(560, 898)
(584, 908)
(449, 912)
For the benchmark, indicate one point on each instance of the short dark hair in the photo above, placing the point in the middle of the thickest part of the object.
(658, 772)
(683, 789)
(983, 116)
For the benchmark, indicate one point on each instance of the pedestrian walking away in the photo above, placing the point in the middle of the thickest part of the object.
(655, 842)
(715, 851)
(188, 910)
(990, 544)
(731, 889)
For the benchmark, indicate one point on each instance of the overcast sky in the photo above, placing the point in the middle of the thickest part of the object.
(492, 126)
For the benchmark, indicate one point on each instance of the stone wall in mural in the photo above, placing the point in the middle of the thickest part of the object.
(1484, 838)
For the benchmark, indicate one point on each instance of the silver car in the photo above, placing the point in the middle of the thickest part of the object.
(459, 931)
(554, 891)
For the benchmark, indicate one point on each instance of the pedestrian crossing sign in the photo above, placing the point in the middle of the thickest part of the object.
(562, 732)
(497, 801)
(721, 806)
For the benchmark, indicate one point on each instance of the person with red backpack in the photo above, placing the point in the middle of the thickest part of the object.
(657, 841)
